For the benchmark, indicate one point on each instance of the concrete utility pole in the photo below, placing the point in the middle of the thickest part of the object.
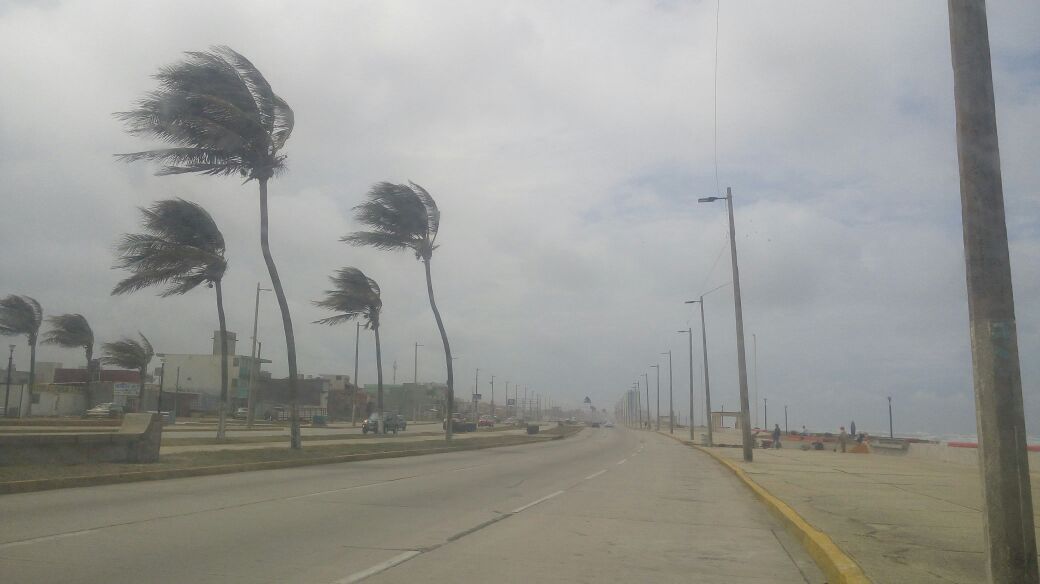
(745, 417)
(657, 424)
(1010, 537)
(689, 333)
(492, 396)
(357, 384)
(476, 388)
(765, 415)
(253, 365)
(10, 364)
(671, 408)
(754, 371)
(707, 384)
(890, 433)
(415, 368)
(646, 383)
(787, 430)
(395, 372)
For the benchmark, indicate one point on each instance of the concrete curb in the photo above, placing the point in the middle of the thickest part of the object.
(836, 565)
(33, 485)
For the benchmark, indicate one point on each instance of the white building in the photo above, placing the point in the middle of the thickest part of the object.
(196, 378)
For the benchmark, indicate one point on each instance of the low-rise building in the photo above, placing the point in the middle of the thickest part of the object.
(195, 378)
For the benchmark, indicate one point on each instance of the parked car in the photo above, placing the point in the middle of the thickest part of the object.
(241, 413)
(609, 424)
(107, 410)
(486, 421)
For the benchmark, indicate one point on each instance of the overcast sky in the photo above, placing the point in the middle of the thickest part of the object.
(566, 144)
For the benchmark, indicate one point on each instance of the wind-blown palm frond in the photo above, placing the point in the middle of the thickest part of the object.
(219, 115)
(181, 249)
(354, 295)
(70, 331)
(20, 315)
(399, 217)
(129, 353)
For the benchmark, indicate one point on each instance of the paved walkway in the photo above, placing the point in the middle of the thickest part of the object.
(902, 519)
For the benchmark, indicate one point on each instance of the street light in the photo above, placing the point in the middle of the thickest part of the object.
(253, 366)
(657, 425)
(689, 333)
(415, 370)
(671, 408)
(738, 312)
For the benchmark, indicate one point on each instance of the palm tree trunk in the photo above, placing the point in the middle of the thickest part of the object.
(222, 409)
(283, 305)
(379, 381)
(32, 372)
(90, 381)
(450, 397)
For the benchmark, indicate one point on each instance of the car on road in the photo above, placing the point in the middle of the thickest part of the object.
(106, 410)
(241, 413)
(392, 423)
(486, 421)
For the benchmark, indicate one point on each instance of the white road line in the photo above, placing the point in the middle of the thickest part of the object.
(595, 474)
(382, 567)
(623, 461)
(4, 546)
(533, 503)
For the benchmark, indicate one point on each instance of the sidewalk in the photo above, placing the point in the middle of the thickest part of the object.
(902, 519)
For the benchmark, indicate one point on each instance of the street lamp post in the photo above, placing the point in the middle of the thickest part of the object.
(707, 383)
(492, 396)
(646, 384)
(671, 407)
(476, 388)
(787, 430)
(251, 396)
(162, 379)
(890, 434)
(657, 424)
(739, 313)
(415, 370)
(689, 334)
(10, 364)
(765, 415)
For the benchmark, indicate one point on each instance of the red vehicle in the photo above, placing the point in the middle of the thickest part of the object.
(487, 421)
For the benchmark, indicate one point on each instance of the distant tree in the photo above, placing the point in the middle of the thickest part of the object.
(72, 331)
(130, 354)
(406, 217)
(355, 296)
(221, 117)
(22, 315)
(180, 249)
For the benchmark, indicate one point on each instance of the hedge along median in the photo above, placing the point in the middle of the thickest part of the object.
(26, 478)
(835, 563)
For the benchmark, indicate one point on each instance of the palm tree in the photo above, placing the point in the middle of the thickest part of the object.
(22, 315)
(180, 249)
(72, 331)
(406, 217)
(130, 354)
(354, 296)
(221, 117)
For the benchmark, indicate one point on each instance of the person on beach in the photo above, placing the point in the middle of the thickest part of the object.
(776, 436)
(804, 431)
(852, 428)
(843, 439)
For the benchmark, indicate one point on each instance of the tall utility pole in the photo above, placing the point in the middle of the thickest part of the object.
(657, 424)
(253, 365)
(646, 383)
(745, 417)
(476, 388)
(754, 371)
(492, 396)
(689, 333)
(357, 384)
(395, 371)
(671, 407)
(786, 429)
(10, 364)
(1010, 537)
(415, 369)
(890, 434)
(765, 404)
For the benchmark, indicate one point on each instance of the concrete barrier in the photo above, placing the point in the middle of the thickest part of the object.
(958, 455)
(137, 440)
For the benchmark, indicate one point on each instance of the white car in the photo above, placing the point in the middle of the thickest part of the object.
(610, 424)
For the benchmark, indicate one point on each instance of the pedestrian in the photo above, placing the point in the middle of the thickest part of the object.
(843, 439)
(804, 431)
(852, 428)
(776, 436)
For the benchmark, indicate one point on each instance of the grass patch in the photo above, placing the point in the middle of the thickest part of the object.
(221, 458)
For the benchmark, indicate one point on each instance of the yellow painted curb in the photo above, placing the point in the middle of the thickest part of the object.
(836, 565)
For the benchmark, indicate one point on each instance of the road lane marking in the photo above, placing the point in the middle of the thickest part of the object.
(623, 461)
(595, 474)
(381, 567)
(12, 544)
(533, 503)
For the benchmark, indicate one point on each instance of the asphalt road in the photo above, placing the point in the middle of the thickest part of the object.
(606, 505)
